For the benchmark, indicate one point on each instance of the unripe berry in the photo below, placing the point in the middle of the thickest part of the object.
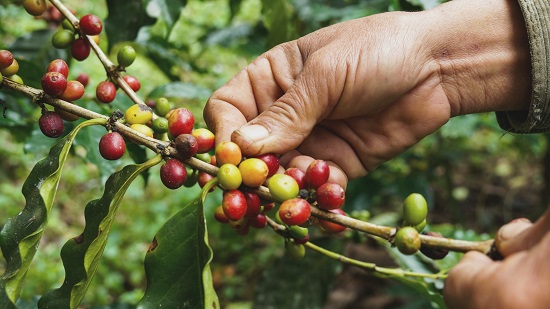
(192, 178)
(330, 196)
(160, 125)
(16, 78)
(282, 187)
(143, 129)
(91, 24)
(298, 232)
(62, 39)
(133, 82)
(407, 240)
(6, 59)
(219, 215)
(234, 204)
(229, 177)
(35, 7)
(294, 250)
(317, 174)
(12, 69)
(138, 113)
(105, 92)
(73, 91)
(272, 163)
(180, 121)
(112, 146)
(51, 124)
(332, 227)
(298, 175)
(205, 139)
(126, 56)
(186, 145)
(295, 211)
(173, 174)
(254, 172)
(80, 49)
(162, 107)
(415, 209)
(54, 83)
(228, 152)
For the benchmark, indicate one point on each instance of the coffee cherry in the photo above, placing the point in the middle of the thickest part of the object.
(259, 222)
(253, 205)
(192, 178)
(219, 215)
(126, 56)
(268, 207)
(66, 115)
(58, 65)
(298, 232)
(228, 152)
(67, 25)
(331, 227)
(160, 125)
(138, 113)
(186, 145)
(96, 39)
(35, 7)
(254, 172)
(16, 78)
(298, 175)
(173, 174)
(302, 240)
(317, 173)
(415, 209)
(112, 146)
(73, 91)
(133, 82)
(272, 163)
(407, 240)
(420, 226)
(62, 39)
(205, 139)
(180, 121)
(282, 187)
(143, 129)
(330, 196)
(105, 92)
(12, 69)
(54, 83)
(229, 177)
(162, 107)
(294, 250)
(295, 211)
(203, 179)
(80, 49)
(51, 124)
(434, 253)
(204, 157)
(83, 78)
(240, 226)
(234, 204)
(6, 59)
(91, 24)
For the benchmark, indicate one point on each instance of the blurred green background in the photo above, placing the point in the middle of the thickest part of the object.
(475, 176)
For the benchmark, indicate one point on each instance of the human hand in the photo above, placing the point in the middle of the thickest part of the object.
(521, 280)
(360, 92)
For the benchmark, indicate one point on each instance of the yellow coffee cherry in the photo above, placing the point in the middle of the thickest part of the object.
(138, 114)
(254, 172)
(143, 129)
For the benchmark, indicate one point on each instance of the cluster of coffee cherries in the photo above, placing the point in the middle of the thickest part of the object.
(69, 37)
(407, 237)
(106, 90)
(9, 67)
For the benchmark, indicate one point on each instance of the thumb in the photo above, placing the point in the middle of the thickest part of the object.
(521, 234)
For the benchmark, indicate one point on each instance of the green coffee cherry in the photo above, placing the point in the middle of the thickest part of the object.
(67, 25)
(126, 56)
(62, 39)
(420, 226)
(407, 240)
(162, 107)
(160, 125)
(229, 177)
(297, 231)
(283, 187)
(415, 209)
(294, 250)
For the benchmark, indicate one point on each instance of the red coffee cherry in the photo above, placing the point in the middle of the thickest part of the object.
(180, 121)
(317, 174)
(133, 82)
(234, 204)
(112, 146)
(331, 227)
(51, 124)
(259, 222)
(187, 145)
(80, 49)
(205, 139)
(173, 174)
(295, 211)
(73, 91)
(83, 78)
(253, 205)
(54, 83)
(58, 65)
(330, 196)
(219, 215)
(272, 163)
(298, 175)
(6, 59)
(105, 92)
(91, 24)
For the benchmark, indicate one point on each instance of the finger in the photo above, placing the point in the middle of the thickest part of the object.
(521, 234)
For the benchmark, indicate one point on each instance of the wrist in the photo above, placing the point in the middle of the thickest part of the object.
(481, 54)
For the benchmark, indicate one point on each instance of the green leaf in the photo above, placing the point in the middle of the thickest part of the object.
(177, 264)
(20, 236)
(81, 254)
(278, 19)
(124, 20)
(166, 10)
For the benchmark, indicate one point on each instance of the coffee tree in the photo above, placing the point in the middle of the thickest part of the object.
(256, 192)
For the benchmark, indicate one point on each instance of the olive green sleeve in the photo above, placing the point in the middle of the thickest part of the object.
(537, 118)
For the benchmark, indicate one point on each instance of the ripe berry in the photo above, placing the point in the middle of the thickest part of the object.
(317, 173)
(62, 39)
(332, 227)
(105, 92)
(83, 78)
(54, 83)
(407, 240)
(180, 121)
(91, 24)
(162, 107)
(295, 211)
(253, 205)
(330, 196)
(186, 145)
(302, 240)
(51, 124)
(205, 139)
(282, 187)
(434, 253)
(133, 82)
(73, 91)
(234, 204)
(228, 152)
(268, 207)
(143, 129)
(298, 175)
(229, 177)
(80, 49)
(6, 59)
(138, 113)
(204, 178)
(259, 222)
(415, 209)
(126, 56)
(35, 7)
(272, 163)
(12, 69)
(173, 174)
(219, 215)
(254, 172)
(112, 146)
(58, 65)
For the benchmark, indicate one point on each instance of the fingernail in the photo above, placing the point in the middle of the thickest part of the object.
(253, 132)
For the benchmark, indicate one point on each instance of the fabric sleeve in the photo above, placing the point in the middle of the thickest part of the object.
(537, 118)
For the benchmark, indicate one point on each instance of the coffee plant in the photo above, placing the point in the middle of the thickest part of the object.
(159, 130)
